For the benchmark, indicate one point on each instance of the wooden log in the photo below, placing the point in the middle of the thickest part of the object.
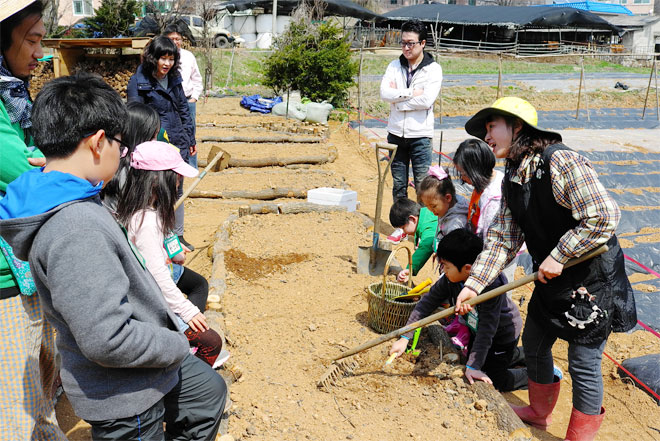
(267, 194)
(507, 420)
(276, 171)
(277, 162)
(308, 207)
(281, 162)
(264, 139)
(288, 208)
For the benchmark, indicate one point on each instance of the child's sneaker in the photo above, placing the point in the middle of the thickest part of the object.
(457, 343)
(557, 372)
(397, 236)
(222, 357)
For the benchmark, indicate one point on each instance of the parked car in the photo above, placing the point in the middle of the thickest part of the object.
(221, 37)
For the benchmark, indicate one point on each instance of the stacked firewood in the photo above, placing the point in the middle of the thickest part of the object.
(40, 76)
(115, 72)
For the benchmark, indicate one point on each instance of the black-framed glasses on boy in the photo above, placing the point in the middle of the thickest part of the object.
(122, 144)
(409, 44)
(123, 147)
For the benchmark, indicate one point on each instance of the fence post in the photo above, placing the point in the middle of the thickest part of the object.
(648, 88)
(441, 105)
(657, 103)
(231, 64)
(499, 77)
(359, 116)
(577, 112)
(586, 92)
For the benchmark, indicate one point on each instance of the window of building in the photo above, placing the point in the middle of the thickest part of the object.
(637, 2)
(83, 7)
(393, 2)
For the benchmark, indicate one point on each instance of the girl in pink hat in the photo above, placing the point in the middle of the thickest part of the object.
(146, 209)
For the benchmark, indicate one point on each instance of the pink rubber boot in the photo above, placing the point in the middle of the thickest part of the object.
(542, 399)
(583, 427)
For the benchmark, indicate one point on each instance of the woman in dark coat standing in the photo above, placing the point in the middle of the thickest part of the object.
(158, 84)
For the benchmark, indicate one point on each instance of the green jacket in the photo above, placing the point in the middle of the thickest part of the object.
(13, 162)
(424, 237)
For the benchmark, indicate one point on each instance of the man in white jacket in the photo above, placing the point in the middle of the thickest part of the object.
(411, 84)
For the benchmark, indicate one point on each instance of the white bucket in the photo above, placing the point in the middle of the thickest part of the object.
(282, 23)
(244, 25)
(265, 40)
(264, 23)
(250, 40)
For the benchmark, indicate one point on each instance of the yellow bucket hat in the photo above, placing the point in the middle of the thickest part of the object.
(11, 7)
(506, 106)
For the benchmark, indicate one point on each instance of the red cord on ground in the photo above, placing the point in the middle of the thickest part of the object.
(633, 377)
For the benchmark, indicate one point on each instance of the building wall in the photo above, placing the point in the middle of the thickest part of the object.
(640, 6)
(70, 11)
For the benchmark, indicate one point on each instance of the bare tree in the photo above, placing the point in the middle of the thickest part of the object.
(51, 16)
(207, 12)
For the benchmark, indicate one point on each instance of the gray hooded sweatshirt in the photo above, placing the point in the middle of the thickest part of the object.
(455, 218)
(120, 347)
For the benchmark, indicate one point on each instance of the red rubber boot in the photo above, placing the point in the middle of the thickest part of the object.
(583, 427)
(542, 399)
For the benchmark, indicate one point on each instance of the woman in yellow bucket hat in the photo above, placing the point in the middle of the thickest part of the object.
(27, 341)
(554, 202)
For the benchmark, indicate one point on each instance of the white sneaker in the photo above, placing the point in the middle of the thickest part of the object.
(397, 236)
(222, 357)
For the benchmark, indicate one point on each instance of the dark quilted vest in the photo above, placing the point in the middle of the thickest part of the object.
(543, 222)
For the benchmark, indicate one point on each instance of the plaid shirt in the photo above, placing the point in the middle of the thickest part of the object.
(575, 186)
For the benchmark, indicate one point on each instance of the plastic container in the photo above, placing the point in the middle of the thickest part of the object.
(264, 41)
(250, 40)
(244, 25)
(282, 23)
(264, 23)
(333, 196)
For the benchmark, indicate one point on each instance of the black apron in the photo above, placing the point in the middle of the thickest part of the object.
(570, 314)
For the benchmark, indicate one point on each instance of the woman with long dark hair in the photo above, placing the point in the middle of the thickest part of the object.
(27, 341)
(142, 125)
(554, 202)
(158, 84)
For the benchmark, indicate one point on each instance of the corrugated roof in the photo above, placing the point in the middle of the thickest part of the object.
(509, 16)
(627, 21)
(606, 8)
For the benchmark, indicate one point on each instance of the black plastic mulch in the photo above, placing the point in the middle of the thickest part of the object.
(607, 118)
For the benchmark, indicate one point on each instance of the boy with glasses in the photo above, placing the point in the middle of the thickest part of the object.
(411, 84)
(126, 366)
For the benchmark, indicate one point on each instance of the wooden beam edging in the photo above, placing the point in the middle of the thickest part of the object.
(288, 208)
(265, 195)
(265, 139)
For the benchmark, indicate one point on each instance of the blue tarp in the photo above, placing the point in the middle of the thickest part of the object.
(255, 103)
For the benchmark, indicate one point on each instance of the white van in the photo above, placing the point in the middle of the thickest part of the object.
(221, 37)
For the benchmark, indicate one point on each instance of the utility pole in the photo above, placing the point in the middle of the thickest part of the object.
(274, 18)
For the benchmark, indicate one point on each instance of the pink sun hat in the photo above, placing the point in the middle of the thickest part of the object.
(158, 155)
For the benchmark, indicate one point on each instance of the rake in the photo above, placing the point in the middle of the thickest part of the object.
(342, 367)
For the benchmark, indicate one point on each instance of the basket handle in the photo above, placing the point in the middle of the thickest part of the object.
(387, 270)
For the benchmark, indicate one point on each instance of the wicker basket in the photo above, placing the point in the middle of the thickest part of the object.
(385, 314)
